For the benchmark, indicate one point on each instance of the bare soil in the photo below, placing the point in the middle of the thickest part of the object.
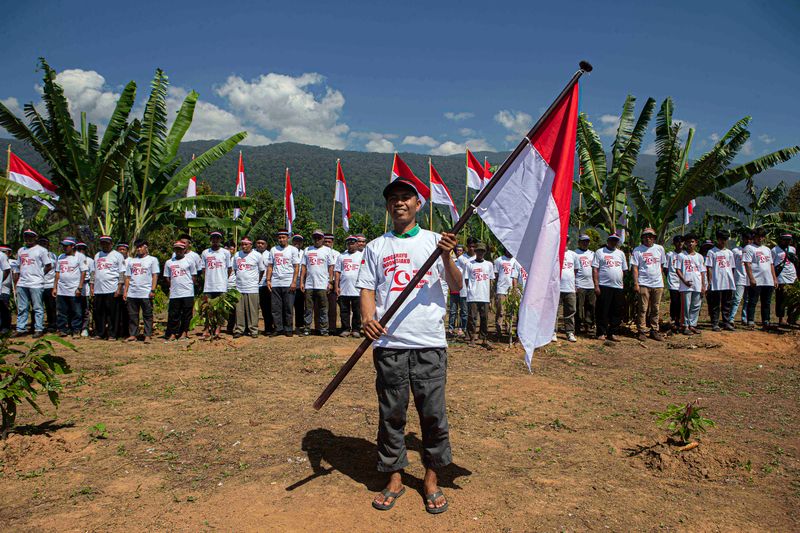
(223, 436)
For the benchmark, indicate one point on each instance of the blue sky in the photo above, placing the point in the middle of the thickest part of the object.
(418, 76)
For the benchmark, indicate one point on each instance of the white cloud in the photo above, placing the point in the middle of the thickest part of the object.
(87, 92)
(451, 148)
(463, 115)
(650, 149)
(424, 140)
(301, 109)
(466, 132)
(375, 142)
(13, 105)
(714, 137)
(766, 139)
(747, 148)
(517, 122)
(610, 124)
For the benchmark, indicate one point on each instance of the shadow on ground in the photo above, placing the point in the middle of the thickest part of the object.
(355, 458)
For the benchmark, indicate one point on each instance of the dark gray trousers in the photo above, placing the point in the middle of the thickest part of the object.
(424, 371)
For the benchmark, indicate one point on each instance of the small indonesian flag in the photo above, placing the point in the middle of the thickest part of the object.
(688, 211)
(22, 173)
(191, 192)
(288, 202)
(241, 187)
(476, 174)
(401, 170)
(487, 174)
(529, 212)
(341, 196)
(440, 194)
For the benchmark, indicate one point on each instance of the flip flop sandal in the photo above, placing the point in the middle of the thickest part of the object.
(431, 498)
(388, 494)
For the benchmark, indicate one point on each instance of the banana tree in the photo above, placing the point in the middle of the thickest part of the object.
(678, 182)
(602, 191)
(759, 208)
(82, 166)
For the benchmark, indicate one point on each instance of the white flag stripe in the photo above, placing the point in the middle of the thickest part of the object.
(474, 181)
(440, 195)
(30, 183)
(191, 192)
(342, 197)
(525, 218)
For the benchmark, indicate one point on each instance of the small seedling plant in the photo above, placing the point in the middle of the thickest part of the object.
(25, 371)
(684, 421)
(213, 312)
(511, 310)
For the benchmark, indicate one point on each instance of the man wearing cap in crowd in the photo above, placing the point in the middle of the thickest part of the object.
(722, 282)
(758, 264)
(478, 276)
(608, 268)
(298, 241)
(218, 267)
(47, 295)
(411, 351)
(34, 263)
(186, 239)
(316, 280)
(107, 284)
(346, 274)
(674, 284)
(648, 261)
(283, 270)
(362, 241)
(68, 286)
(5, 289)
(784, 258)
(332, 297)
(567, 295)
(82, 250)
(141, 279)
(123, 322)
(506, 272)
(585, 297)
(181, 271)
(742, 281)
(264, 296)
(248, 267)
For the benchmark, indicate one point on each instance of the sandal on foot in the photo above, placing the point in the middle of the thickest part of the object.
(431, 499)
(388, 494)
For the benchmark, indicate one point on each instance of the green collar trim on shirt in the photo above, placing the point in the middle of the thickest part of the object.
(410, 233)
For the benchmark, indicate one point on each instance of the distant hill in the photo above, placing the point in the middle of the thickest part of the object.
(313, 172)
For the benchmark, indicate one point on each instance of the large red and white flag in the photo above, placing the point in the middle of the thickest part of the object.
(401, 170)
(22, 173)
(288, 202)
(341, 196)
(440, 194)
(529, 212)
(241, 187)
(191, 192)
(476, 174)
(688, 211)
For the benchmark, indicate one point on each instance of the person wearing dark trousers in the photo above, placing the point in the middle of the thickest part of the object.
(784, 258)
(5, 289)
(316, 281)
(410, 354)
(333, 298)
(299, 300)
(758, 264)
(283, 269)
(82, 248)
(478, 275)
(345, 276)
(674, 284)
(181, 271)
(585, 297)
(264, 295)
(50, 306)
(141, 278)
(720, 265)
(105, 286)
(122, 324)
(608, 268)
(68, 289)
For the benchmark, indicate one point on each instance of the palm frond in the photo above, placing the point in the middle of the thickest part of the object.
(667, 150)
(210, 201)
(119, 118)
(154, 128)
(624, 132)
(181, 125)
(751, 168)
(626, 161)
(637, 190)
(730, 202)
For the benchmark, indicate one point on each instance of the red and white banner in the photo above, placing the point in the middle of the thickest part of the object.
(440, 193)
(22, 173)
(288, 202)
(476, 174)
(487, 174)
(191, 192)
(529, 212)
(341, 195)
(688, 211)
(401, 170)
(241, 187)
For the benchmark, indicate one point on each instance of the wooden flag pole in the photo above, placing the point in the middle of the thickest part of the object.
(459, 225)
(335, 187)
(430, 187)
(5, 209)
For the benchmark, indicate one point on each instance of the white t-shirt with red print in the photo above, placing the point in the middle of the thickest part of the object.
(479, 276)
(348, 264)
(505, 270)
(650, 261)
(568, 271)
(722, 264)
(317, 261)
(216, 263)
(760, 259)
(247, 267)
(180, 272)
(583, 276)
(388, 264)
(283, 260)
(691, 266)
(611, 265)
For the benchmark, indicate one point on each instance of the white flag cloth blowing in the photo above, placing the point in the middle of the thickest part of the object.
(440, 194)
(341, 196)
(623, 223)
(191, 192)
(529, 212)
(241, 187)
(288, 201)
(688, 211)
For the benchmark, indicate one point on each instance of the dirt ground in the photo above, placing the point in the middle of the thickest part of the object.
(223, 437)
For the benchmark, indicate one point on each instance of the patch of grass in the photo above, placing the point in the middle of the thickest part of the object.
(39, 472)
(121, 451)
(169, 391)
(146, 436)
(89, 492)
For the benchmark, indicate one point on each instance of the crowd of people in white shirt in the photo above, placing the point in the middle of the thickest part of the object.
(111, 293)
